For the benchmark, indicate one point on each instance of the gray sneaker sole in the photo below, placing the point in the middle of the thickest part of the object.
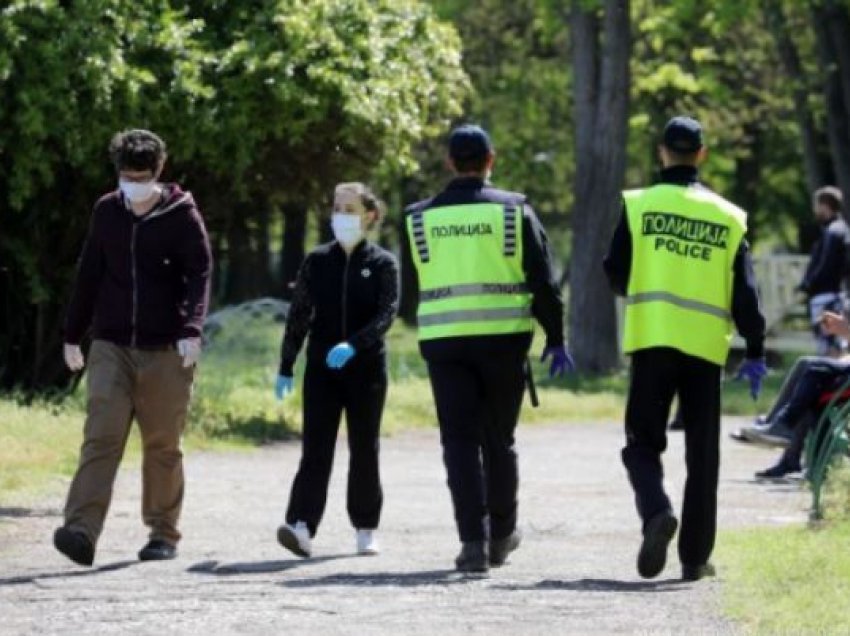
(767, 439)
(288, 540)
(653, 551)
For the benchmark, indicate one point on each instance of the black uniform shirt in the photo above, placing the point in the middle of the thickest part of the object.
(746, 311)
(547, 306)
(341, 297)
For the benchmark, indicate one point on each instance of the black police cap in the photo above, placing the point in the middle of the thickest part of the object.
(469, 142)
(683, 134)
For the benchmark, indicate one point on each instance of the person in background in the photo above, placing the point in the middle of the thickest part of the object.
(143, 286)
(482, 272)
(800, 403)
(680, 258)
(346, 297)
(828, 268)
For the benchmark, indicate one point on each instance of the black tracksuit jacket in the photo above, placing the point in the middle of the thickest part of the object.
(341, 298)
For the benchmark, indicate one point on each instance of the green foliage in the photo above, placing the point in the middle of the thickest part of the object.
(260, 101)
(516, 56)
(292, 79)
(720, 64)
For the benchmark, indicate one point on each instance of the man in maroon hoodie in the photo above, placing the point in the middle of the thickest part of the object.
(143, 289)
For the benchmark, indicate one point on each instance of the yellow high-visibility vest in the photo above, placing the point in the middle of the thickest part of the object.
(684, 242)
(469, 262)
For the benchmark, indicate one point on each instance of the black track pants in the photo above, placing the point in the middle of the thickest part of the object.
(359, 390)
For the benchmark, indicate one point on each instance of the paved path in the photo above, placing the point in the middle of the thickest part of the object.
(573, 575)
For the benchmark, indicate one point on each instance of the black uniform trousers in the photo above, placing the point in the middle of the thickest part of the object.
(657, 375)
(478, 389)
(359, 389)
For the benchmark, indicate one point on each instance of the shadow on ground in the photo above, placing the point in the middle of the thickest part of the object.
(597, 585)
(259, 567)
(65, 574)
(20, 513)
(385, 579)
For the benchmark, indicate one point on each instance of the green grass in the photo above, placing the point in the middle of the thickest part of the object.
(40, 442)
(36, 442)
(233, 403)
(791, 580)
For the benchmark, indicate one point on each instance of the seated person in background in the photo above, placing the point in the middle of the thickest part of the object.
(771, 430)
(794, 416)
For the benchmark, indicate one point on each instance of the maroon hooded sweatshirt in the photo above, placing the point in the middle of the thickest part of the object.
(142, 281)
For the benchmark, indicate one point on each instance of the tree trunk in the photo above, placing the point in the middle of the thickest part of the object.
(326, 234)
(838, 25)
(747, 183)
(601, 75)
(790, 57)
(292, 247)
(408, 301)
(262, 252)
(240, 275)
(838, 129)
(219, 273)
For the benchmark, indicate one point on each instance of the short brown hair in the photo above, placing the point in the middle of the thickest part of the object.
(831, 197)
(137, 149)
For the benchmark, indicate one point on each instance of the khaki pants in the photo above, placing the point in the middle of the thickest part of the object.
(154, 387)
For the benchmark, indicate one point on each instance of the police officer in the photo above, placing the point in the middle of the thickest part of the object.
(680, 259)
(345, 298)
(483, 271)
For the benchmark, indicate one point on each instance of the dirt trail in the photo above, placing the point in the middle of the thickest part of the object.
(574, 573)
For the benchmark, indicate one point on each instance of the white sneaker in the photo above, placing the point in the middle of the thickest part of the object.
(295, 538)
(367, 544)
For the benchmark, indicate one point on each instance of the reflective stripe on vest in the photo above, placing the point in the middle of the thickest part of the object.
(469, 262)
(472, 289)
(419, 237)
(693, 305)
(473, 315)
(510, 230)
(684, 242)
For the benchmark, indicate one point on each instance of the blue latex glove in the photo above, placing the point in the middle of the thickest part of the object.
(284, 385)
(562, 361)
(754, 371)
(339, 356)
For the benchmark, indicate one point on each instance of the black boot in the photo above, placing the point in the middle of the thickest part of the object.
(697, 572)
(656, 537)
(74, 545)
(473, 557)
(782, 468)
(157, 550)
(501, 548)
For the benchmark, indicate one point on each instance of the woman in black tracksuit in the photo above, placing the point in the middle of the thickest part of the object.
(346, 296)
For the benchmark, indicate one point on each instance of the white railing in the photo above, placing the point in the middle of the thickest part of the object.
(778, 276)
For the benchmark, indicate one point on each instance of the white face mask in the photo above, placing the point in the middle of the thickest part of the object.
(347, 229)
(137, 192)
